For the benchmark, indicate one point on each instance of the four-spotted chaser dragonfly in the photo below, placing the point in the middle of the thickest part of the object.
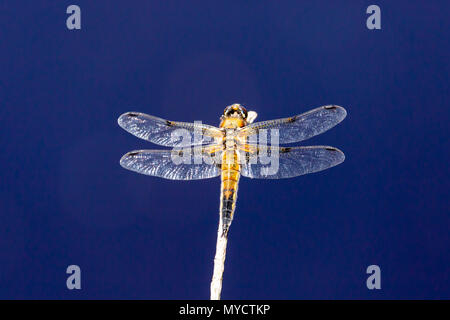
(232, 149)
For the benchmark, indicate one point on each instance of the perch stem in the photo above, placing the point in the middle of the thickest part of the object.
(219, 263)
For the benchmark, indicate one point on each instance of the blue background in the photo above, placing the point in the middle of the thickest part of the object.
(66, 200)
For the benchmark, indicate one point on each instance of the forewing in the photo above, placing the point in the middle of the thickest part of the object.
(271, 162)
(192, 163)
(167, 133)
(296, 128)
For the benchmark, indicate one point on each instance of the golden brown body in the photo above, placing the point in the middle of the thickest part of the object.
(230, 170)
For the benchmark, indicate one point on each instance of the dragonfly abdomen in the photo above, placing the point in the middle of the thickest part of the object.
(229, 188)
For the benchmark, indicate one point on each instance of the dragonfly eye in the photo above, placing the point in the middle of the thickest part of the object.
(229, 111)
(235, 108)
(244, 112)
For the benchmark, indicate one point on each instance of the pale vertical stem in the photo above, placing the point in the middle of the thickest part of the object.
(219, 263)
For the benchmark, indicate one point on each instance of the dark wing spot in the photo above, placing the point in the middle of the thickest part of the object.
(330, 149)
(285, 149)
(132, 154)
(169, 123)
(331, 107)
(291, 119)
(132, 114)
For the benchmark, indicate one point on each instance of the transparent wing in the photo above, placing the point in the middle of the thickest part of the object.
(271, 162)
(167, 133)
(296, 128)
(190, 163)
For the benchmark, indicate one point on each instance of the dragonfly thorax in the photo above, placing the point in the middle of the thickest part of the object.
(230, 138)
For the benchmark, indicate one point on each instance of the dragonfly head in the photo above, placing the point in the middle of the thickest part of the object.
(235, 111)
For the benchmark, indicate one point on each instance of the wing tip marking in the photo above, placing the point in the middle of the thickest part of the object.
(132, 153)
(337, 108)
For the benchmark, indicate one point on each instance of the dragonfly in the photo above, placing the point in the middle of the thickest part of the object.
(236, 148)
